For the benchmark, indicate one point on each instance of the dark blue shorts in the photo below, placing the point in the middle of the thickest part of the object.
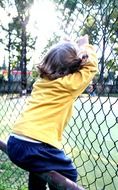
(40, 157)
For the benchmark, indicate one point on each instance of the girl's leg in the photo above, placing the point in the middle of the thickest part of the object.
(37, 157)
(36, 183)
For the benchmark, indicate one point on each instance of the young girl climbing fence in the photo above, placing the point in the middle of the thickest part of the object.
(36, 139)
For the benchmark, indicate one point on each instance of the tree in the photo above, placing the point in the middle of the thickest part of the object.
(55, 39)
(22, 21)
(1, 3)
(19, 41)
(98, 19)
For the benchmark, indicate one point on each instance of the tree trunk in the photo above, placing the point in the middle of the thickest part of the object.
(102, 61)
(9, 66)
(23, 62)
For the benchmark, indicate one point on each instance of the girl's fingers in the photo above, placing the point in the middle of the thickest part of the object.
(83, 40)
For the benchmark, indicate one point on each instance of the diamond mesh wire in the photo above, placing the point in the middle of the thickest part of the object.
(90, 138)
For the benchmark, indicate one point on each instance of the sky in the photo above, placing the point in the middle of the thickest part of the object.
(43, 22)
(43, 19)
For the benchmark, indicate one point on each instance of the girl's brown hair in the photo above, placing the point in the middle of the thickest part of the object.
(60, 61)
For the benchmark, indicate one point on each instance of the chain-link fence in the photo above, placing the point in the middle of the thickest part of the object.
(91, 138)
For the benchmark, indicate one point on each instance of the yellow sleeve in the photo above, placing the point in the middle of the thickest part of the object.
(76, 83)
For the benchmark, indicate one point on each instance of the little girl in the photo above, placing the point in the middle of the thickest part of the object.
(35, 143)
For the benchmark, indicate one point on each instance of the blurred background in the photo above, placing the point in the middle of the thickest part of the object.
(28, 28)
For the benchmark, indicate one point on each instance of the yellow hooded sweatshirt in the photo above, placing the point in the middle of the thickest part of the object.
(50, 106)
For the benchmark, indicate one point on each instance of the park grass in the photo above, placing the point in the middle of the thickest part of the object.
(90, 139)
(11, 177)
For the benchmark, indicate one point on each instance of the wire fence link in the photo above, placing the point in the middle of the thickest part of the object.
(90, 138)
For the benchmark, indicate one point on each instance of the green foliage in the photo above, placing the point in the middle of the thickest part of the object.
(11, 177)
(1, 77)
(71, 4)
(55, 39)
(35, 73)
(111, 65)
(23, 6)
(90, 28)
(91, 2)
(1, 3)
(16, 32)
(98, 19)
